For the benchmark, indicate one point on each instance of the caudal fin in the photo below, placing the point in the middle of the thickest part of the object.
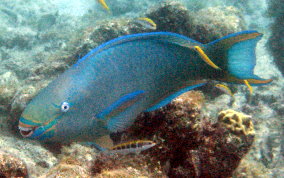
(235, 54)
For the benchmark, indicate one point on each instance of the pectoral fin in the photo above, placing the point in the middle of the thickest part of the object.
(125, 119)
(104, 142)
(121, 104)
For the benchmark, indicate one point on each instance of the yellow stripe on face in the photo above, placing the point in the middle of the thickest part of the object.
(206, 58)
(249, 86)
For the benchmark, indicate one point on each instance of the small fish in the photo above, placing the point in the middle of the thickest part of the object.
(205, 57)
(249, 86)
(103, 3)
(147, 23)
(225, 89)
(132, 147)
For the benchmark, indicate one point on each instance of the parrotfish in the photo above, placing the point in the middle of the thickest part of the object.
(106, 89)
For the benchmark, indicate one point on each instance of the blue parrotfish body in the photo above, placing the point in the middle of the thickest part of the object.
(106, 89)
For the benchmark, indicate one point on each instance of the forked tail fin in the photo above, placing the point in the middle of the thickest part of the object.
(235, 55)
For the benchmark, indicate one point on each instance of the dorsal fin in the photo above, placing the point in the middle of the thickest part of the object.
(166, 37)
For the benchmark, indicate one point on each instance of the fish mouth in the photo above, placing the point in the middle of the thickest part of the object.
(26, 131)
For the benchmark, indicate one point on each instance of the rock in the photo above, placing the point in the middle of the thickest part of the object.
(46, 21)
(250, 168)
(276, 40)
(216, 22)
(125, 166)
(203, 26)
(8, 87)
(11, 166)
(67, 170)
(74, 160)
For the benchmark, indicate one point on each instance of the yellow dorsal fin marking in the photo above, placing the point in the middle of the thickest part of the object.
(206, 58)
(249, 86)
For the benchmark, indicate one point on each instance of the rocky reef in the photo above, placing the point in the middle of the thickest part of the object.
(74, 161)
(190, 141)
(11, 166)
(190, 145)
(276, 40)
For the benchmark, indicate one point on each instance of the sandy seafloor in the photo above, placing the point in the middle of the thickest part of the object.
(35, 32)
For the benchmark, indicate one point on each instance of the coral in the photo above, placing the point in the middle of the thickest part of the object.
(83, 154)
(117, 165)
(79, 160)
(229, 20)
(11, 166)
(189, 145)
(223, 148)
(75, 160)
(237, 123)
(204, 26)
(249, 168)
(8, 88)
(67, 170)
(123, 173)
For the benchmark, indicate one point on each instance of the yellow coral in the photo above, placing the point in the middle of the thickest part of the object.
(236, 122)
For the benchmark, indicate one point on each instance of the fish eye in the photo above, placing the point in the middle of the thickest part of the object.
(65, 107)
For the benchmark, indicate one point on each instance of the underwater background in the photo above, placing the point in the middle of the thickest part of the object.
(203, 133)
